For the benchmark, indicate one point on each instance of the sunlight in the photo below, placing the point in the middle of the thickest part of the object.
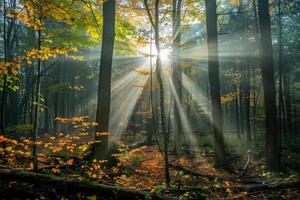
(165, 54)
(183, 117)
(139, 99)
(197, 93)
(126, 92)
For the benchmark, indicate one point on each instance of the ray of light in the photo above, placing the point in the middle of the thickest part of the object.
(197, 93)
(183, 117)
(125, 95)
(121, 116)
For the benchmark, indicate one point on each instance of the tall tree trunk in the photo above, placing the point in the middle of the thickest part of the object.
(27, 91)
(287, 97)
(35, 126)
(272, 136)
(247, 106)
(3, 97)
(246, 74)
(214, 81)
(153, 117)
(46, 109)
(104, 86)
(256, 36)
(281, 119)
(295, 116)
(161, 94)
(237, 117)
(56, 100)
(155, 24)
(177, 73)
(241, 103)
(12, 104)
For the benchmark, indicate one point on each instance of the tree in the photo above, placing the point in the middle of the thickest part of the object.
(272, 135)
(36, 106)
(245, 74)
(281, 109)
(3, 97)
(155, 24)
(104, 86)
(214, 81)
(177, 71)
(256, 36)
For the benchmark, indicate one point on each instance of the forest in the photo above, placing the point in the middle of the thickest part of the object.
(150, 99)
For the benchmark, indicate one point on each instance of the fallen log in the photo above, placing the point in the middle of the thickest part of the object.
(208, 176)
(75, 185)
(270, 186)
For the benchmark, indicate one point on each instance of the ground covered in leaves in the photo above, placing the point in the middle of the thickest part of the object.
(142, 169)
(193, 175)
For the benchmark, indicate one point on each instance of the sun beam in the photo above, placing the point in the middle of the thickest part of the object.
(165, 54)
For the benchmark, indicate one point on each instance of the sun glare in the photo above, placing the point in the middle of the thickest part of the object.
(165, 54)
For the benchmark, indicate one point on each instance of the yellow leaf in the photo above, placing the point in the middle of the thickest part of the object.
(70, 162)
(55, 170)
(52, 138)
(14, 142)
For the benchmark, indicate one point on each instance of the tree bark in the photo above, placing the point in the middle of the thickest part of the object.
(3, 97)
(36, 107)
(272, 136)
(177, 73)
(104, 86)
(74, 185)
(214, 81)
(155, 23)
(237, 118)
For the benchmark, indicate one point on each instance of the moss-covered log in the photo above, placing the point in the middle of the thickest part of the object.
(73, 185)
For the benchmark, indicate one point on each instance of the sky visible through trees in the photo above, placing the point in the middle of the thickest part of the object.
(149, 99)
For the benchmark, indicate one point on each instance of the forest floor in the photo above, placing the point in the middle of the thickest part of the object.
(193, 176)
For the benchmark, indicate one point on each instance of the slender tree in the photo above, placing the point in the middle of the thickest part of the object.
(3, 97)
(35, 126)
(151, 100)
(104, 86)
(256, 36)
(155, 24)
(177, 72)
(237, 118)
(214, 81)
(272, 135)
(281, 120)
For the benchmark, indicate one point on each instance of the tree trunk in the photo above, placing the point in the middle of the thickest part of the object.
(74, 185)
(246, 75)
(247, 106)
(36, 107)
(104, 86)
(281, 119)
(214, 81)
(237, 117)
(254, 68)
(177, 73)
(155, 24)
(153, 117)
(272, 137)
(287, 97)
(3, 97)
(161, 94)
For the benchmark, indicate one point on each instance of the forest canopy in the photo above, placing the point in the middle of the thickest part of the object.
(149, 99)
